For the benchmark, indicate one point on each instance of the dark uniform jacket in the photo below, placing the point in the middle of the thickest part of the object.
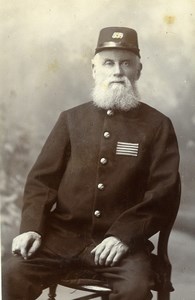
(109, 173)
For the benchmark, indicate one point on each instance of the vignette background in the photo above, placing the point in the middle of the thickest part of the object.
(45, 68)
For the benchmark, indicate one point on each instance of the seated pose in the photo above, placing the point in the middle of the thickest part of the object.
(110, 166)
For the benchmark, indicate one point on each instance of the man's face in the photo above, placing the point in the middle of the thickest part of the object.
(116, 64)
(115, 73)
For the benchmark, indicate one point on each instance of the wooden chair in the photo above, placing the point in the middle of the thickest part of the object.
(162, 266)
(96, 290)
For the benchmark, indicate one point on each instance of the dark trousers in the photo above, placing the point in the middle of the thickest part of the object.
(130, 279)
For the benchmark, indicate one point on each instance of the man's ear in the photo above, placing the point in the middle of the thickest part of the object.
(139, 71)
(93, 69)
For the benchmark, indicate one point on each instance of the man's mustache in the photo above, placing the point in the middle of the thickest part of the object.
(120, 80)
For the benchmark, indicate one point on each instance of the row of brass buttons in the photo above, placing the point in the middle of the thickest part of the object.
(103, 161)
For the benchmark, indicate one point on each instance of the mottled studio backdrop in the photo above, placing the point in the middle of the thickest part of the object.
(45, 68)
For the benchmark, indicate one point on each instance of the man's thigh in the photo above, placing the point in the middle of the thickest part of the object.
(25, 279)
(132, 278)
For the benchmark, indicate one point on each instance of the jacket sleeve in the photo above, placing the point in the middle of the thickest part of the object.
(160, 197)
(43, 180)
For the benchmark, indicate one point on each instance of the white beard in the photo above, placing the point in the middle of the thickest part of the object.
(119, 96)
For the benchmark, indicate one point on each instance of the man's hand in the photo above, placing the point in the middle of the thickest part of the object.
(26, 244)
(109, 251)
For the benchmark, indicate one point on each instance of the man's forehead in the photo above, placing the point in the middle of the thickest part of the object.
(116, 54)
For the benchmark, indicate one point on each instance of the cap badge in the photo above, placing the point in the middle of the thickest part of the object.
(117, 35)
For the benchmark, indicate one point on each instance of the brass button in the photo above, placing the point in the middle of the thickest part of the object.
(110, 112)
(100, 186)
(103, 161)
(97, 213)
(106, 134)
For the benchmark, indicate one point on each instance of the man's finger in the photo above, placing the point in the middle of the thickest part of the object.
(103, 256)
(23, 251)
(98, 252)
(15, 248)
(14, 245)
(36, 244)
(109, 259)
(96, 257)
(94, 249)
(16, 252)
(116, 258)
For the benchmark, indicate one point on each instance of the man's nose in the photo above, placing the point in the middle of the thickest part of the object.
(118, 70)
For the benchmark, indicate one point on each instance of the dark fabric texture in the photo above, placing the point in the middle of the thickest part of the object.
(139, 191)
(131, 196)
(132, 278)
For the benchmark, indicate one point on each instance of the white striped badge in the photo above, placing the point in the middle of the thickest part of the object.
(130, 149)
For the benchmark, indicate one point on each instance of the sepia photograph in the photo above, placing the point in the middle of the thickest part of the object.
(97, 172)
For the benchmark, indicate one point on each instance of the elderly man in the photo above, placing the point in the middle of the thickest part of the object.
(110, 166)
